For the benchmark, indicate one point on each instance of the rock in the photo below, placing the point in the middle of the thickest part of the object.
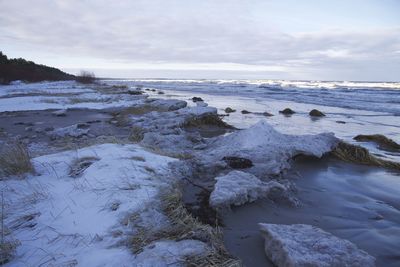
(316, 113)
(341, 122)
(303, 245)
(196, 99)
(230, 110)
(160, 92)
(135, 91)
(267, 114)
(245, 112)
(287, 111)
(237, 188)
(238, 163)
(60, 113)
(378, 217)
(48, 129)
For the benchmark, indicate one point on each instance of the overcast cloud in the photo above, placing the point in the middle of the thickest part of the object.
(359, 40)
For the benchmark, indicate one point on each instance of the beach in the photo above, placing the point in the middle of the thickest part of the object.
(107, 157)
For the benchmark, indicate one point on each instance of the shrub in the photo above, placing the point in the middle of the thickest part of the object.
(86, 77)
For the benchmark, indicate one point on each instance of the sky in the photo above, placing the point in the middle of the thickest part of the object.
(355, 40)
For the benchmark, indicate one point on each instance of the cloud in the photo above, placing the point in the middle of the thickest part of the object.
(205, 33)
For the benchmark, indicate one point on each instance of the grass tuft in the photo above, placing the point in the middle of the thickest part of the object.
(383, 142)
(14, 160)
(357, 154)
(182, 225)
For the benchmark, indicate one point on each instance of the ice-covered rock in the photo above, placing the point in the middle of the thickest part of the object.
(268, 149)
(169, 253)
(305, 245)
(76, 130)
(237, 188)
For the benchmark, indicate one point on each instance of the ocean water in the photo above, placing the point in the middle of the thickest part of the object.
(372, 96)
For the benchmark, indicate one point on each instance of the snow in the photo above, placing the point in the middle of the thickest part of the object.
(237, 188)
(305, 245)
(73, 218)
(63, 95)
(169, 253)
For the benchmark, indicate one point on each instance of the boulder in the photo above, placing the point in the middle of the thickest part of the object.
(267, 114)
(196, 99)
(301, 245)
(230, 110)
(316, 113)
(245, 112)
(287, 111)
(237, 188)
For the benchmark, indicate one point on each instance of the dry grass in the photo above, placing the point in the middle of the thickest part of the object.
(14, 160)
(382, 141)
(357, 154)
(182, 225)
(172, 154)
(80, 165)
(207, 120)
(137, 134)
(7, 251)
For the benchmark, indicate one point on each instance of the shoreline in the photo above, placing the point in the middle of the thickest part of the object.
(167, 128)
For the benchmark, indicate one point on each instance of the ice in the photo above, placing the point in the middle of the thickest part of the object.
(269, 150)
(237, 188)
(300, 245)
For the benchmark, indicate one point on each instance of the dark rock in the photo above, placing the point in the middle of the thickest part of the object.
(161, 92)
(82, 126)
(196, 99)
(341, 122)
(229, 110)
(287, 111)
(48, 129)
(267, 114)
(135, 92)
(238, 163)
(245, 112)
(316, 113)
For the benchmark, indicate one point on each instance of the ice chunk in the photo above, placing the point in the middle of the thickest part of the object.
(268, 149)
(237, 188)
(305, 245)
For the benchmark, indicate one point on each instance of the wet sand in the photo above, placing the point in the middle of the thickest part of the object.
(358, 203)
